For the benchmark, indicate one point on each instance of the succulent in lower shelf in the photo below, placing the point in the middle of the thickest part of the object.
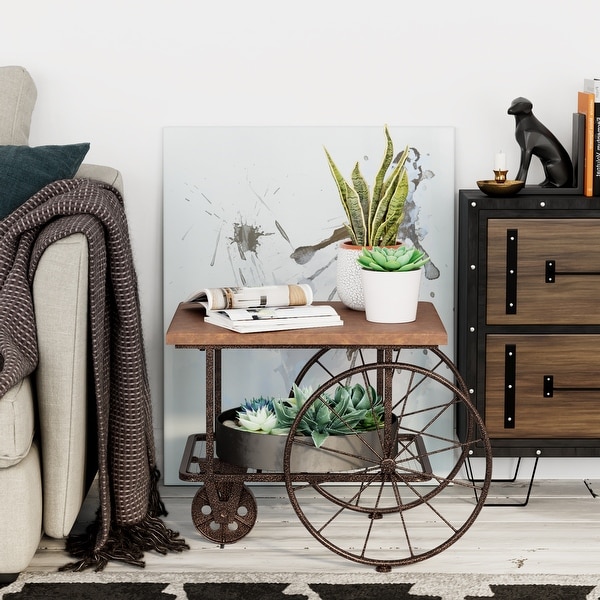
(257, 415)
(402, 258)
(351, 409)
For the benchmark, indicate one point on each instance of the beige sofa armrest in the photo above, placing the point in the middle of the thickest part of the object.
(101, 173)
(60, 295)
(17, 99)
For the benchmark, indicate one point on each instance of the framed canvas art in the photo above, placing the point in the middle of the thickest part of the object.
(258, 206)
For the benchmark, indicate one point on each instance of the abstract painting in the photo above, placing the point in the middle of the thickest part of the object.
(258, 206)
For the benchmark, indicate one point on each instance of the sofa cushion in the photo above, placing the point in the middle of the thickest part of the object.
(17, 423)
(25, 170)
(17, 100)
(21, 514)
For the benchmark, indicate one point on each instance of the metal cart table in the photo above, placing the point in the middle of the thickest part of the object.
(402, 489)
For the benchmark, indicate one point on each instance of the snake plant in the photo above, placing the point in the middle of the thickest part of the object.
(374, 215)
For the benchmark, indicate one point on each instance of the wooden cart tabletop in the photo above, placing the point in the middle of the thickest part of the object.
(188, 329)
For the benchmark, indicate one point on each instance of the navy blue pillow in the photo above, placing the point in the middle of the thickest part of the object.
(25, 170)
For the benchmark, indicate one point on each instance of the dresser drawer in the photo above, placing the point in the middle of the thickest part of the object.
(543, 271)
(542, 386)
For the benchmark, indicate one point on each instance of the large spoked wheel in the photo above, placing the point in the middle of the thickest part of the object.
(327, 362)
(224, 512)
(388, 490)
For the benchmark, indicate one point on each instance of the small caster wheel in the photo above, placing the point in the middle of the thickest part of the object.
(229, 517)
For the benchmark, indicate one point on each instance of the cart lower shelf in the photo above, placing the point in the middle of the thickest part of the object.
(396, 495)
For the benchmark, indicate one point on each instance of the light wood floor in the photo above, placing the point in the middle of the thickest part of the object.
(558, 532)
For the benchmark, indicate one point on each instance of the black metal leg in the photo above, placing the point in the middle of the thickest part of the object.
(590, 487)
(471, 477)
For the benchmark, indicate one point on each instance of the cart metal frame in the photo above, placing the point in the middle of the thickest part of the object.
(400, 482)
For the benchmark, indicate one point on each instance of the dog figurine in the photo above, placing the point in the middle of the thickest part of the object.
(537, 140)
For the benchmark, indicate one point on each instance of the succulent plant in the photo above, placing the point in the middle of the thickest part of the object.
(350, 410)
(374, 215)
(402, 258)
(257, 415)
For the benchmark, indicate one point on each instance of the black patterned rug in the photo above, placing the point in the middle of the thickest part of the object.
(299, 586)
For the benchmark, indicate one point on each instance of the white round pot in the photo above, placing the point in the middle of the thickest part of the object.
(391, 296)
(348, 278)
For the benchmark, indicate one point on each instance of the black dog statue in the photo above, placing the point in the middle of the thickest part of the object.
(537, 140)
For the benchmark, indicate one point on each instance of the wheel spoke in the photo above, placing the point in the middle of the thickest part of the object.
(402, 490)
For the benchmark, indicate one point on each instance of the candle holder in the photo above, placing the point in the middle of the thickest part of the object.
(500, 176)
(500, 186)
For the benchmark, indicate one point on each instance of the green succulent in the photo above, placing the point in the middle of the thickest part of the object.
(373, 403)
(257, 415)
(351, 409)
(402, 258)
(374, 215)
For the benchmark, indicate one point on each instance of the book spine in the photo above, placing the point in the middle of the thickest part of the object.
(586, 105)
(596, 186)
(593, 86)
(577, 149)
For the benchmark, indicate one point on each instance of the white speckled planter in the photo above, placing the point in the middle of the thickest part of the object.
(349, 280)
(349, 283)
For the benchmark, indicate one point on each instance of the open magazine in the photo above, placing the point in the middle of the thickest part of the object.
(267, 308)
(278, 318)
(254, 297)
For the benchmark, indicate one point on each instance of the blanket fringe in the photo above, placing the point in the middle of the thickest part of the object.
(157, 507)
(126, 543)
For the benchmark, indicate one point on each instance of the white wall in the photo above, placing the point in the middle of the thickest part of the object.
(115, 72)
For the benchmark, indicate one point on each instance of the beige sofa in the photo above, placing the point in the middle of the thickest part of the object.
(45, 453)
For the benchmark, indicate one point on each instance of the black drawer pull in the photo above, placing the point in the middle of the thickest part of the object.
(551, 272)
(510, 384)
(549, 388)
(512, 252)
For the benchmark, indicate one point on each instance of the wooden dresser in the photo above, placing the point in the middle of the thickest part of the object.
(528, 320)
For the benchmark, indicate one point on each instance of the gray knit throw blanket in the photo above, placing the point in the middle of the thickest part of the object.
(128, 521)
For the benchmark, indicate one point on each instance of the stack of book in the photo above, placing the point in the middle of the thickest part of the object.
(588, 103)
(267, 308)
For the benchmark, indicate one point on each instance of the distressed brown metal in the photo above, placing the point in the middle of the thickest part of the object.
(397, 487)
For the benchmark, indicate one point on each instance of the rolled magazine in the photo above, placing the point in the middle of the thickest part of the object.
(225, 298)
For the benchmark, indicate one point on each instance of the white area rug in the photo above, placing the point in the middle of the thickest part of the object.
(298, 586)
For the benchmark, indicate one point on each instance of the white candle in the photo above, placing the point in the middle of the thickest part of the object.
(500, 163)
